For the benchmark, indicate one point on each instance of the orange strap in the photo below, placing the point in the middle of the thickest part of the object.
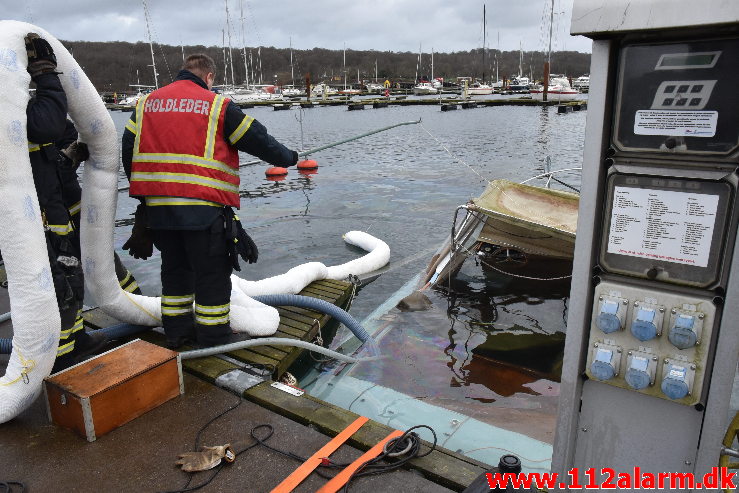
(340, 479)
(307, 467)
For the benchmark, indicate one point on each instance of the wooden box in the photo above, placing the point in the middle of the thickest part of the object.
(109, 390)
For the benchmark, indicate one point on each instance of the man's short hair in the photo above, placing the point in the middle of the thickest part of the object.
(200, 64)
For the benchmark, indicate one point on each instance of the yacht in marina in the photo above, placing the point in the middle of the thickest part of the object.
(559, 90)
(424, 88)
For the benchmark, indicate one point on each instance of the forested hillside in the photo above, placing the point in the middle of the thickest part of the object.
(113, 66)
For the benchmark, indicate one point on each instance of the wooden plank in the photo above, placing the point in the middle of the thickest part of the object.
(329, 288)
(288, 316)
(326, 289)
(274, 352)
(289, 329)
(333, 282)
(95, 318)
(249, 356)
(306, 312)
(299, 328)
(208, 368)
(286, 335)
(320, 295)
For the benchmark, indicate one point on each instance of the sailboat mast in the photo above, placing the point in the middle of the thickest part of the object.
(520, 59)
(292, 70)
(344, 66)
(496, 59)
(551, 22)
(432, 64)
(484, 28)
(151, 45)
(243, 44)
(225, 60)
(230, 52)
(418, 63)
(547, 65)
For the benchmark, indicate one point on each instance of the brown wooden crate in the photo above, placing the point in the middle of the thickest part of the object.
(104, 392)
(132, 398)
(112, 368)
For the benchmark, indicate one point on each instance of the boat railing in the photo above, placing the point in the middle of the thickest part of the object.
(466, 229)
(549, 175)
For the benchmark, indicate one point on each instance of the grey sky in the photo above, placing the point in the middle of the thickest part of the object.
(394, 25)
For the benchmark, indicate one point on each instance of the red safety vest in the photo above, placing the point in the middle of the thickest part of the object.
(180, 149)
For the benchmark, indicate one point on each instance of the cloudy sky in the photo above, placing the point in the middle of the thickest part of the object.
(395, 25)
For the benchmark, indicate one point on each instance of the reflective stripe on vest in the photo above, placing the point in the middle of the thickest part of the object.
(158, 201)
(36, 147)
(180, 150)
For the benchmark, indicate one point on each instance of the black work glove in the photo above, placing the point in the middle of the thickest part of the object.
(248, 249)
(238, 242)
(140, 244)
(41, 58)
(77, 152)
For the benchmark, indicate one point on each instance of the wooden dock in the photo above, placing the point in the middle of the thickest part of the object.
(442, 466)
(295, 323)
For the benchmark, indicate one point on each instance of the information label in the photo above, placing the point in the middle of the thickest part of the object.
(662, 225)
(676, 123)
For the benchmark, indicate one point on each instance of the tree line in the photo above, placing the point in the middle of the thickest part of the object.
(115, 66)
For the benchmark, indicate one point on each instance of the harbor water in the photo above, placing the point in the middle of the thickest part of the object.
(462, 365)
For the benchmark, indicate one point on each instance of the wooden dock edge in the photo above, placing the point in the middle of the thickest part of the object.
(442, 466)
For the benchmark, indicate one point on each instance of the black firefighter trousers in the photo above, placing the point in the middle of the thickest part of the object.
(196, 268)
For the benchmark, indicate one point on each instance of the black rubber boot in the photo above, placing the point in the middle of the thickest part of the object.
(214, 335)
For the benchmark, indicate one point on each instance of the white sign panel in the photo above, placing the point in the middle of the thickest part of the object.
(662, 225)
(676, 123)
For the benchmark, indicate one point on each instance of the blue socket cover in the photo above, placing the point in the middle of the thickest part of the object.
(675, 384)
(643, 327)
(637, 375)
(607, 320)
(602, 366)
(682, 335)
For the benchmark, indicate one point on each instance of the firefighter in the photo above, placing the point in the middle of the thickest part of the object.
(46, 116)
(180, 153)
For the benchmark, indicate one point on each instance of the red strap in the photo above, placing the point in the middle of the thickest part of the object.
(307, 467)
(340, 479)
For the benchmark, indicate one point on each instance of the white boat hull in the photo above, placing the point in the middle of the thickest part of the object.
(555, 95)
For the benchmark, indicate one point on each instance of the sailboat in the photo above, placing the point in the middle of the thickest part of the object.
(348, 90)
(291, 91)
(479, 88)
(519, 83)
(558, 86)
(423, 88)
(142, 89)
